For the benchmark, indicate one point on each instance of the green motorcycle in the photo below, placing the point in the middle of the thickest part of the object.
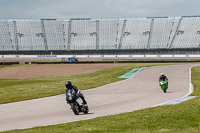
(164, 86)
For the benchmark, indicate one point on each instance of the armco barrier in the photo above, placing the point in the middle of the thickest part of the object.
(91, 62)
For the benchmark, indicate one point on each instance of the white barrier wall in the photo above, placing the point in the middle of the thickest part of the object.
(194, 55)
(166, 56)
(100, 56)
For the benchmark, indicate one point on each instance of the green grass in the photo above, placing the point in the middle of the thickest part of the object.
(2, 66)
(182, 118)
(13, 90)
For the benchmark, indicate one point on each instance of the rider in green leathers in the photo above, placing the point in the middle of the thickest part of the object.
(163, 80)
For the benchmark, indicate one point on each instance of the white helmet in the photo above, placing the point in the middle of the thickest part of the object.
(162, 74)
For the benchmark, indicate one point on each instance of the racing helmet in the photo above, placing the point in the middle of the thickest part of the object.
(68, 85)
(162, 74)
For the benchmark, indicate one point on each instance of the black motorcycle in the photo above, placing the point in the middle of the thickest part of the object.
(76, 103)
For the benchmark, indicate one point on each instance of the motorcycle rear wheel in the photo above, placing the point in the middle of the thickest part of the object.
(86, 110)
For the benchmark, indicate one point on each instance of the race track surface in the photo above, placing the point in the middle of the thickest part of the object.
(141, 91)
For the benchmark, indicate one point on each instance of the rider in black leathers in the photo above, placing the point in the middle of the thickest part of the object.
(163, 78)
(69, 86)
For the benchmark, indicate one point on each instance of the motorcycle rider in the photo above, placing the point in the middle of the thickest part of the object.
(163, 78)
(69, 86)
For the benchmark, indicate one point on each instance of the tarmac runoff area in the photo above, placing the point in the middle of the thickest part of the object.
(135, 93)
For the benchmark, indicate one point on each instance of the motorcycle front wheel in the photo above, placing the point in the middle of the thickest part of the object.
(75, 108)
(165, 89)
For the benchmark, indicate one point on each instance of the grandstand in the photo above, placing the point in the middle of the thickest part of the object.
(151, 35)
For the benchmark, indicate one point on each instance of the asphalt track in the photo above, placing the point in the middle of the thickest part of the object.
(138, 92)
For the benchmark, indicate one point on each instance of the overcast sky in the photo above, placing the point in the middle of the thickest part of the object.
(36, 9)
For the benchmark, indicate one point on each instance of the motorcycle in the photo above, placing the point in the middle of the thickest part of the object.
(76, 103)
(164, 86)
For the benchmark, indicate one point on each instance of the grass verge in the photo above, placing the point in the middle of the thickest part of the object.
(2, 66)
(183, 118)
